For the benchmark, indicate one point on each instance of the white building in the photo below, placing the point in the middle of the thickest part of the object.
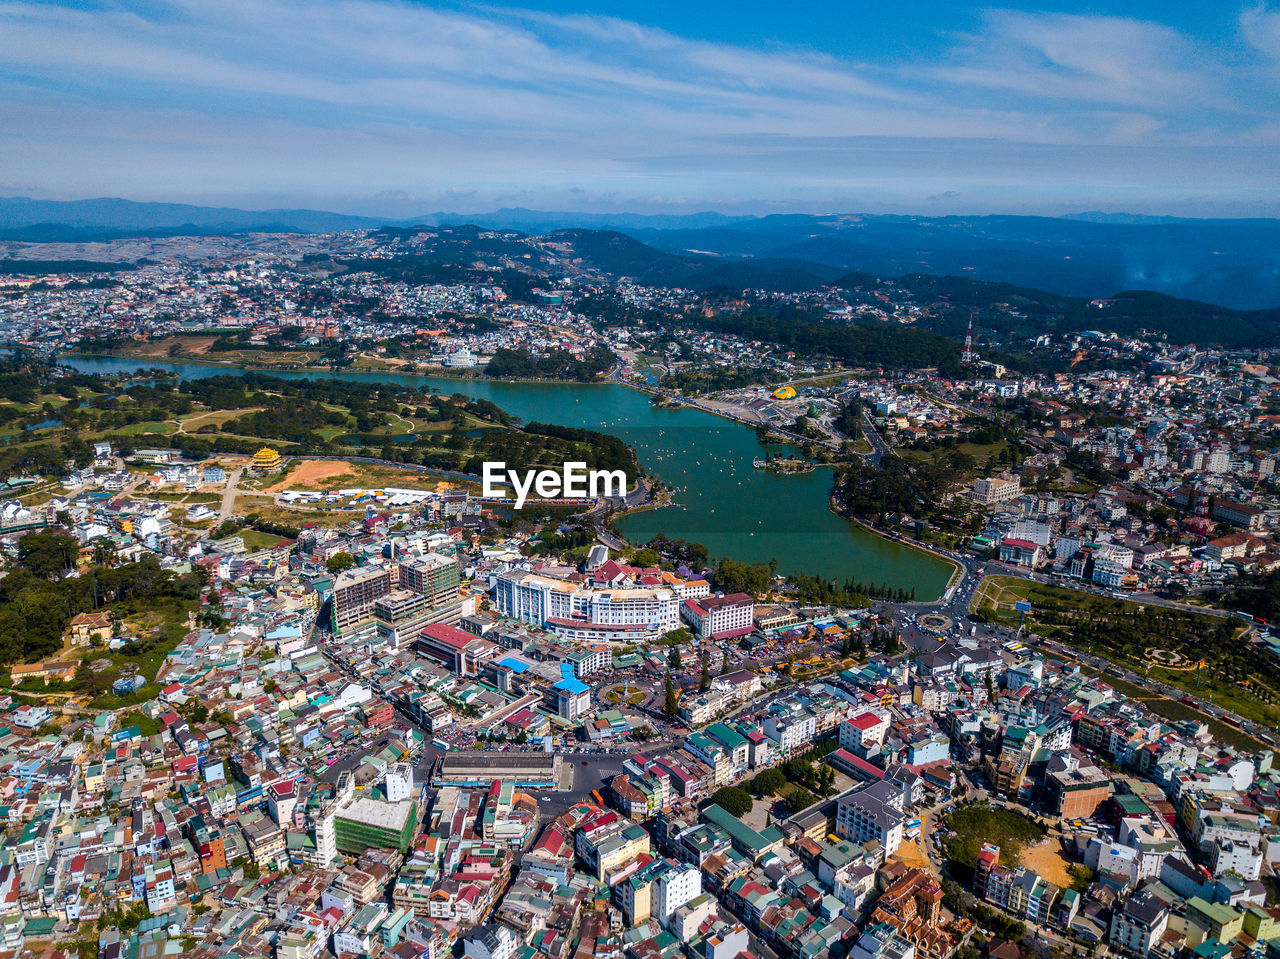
(489, 941)
(675, 887)
(581, 612)
(399, 784)
(873, 812)
(720, 617)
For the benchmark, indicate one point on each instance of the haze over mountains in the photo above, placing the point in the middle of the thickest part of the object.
(1233, 263)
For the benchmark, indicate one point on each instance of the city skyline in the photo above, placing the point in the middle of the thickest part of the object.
(398, 109)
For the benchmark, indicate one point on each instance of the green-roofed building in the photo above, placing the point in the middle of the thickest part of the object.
(746, 840)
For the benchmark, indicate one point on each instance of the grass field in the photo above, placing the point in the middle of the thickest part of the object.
(268, 511)
(255, 539)
(981, 453)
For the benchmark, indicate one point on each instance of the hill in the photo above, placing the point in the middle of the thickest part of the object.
(42, 221)
(1023, 311)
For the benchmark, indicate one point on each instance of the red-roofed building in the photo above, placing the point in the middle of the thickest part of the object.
(455, 649)
(720, 617)
(863, 731)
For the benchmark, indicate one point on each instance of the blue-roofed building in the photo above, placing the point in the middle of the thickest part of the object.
(571, 697)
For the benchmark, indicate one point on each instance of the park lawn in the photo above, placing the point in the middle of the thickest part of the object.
(297, 518)
(256, 539)
(194, 421)
(974, 824)
(154, 428)
(982, 453)
(1210, 685)
(189, 499)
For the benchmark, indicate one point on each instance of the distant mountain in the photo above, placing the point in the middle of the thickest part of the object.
(1235, 263)
(620, 255)
(1003, 308)
(541, 221)
(1232, 262)
(45, 221)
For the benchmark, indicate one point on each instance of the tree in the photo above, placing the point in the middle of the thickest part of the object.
(340, 561)
(704, 682)
(646, 558)
(799, 799)
(671, 704)
(769, 782)
(50, 554)
(733, 800)
(673, 659)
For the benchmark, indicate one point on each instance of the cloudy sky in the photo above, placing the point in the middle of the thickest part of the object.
(393, 107)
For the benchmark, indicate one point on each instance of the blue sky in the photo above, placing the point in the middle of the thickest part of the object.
(398, 108)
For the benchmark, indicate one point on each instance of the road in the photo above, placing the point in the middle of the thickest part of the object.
(228, 506)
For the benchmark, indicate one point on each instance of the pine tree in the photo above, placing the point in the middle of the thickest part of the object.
(671, 705)
(704, 683)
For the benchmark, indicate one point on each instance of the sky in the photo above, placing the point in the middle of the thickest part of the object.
(399, 108)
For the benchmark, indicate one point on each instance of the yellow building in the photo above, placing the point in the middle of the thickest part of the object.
(266, 459)
(784, 393)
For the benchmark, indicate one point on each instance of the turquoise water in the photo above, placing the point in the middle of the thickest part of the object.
(722, 501)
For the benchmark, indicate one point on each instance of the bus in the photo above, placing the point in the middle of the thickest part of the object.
(441, 745)
(595, 794)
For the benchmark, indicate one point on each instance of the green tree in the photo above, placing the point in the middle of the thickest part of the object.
(671, 703)
(769, 782)
(704, 682)
(799, 799)
(647, 558)
(673, 659)
(733, 800)
(50, 554)
(340, 561)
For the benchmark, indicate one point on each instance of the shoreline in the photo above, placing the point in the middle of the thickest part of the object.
(161, 362)
(957, 570)
(683, 403)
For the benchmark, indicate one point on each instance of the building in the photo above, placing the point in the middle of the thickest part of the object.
(998, 489)
(399, 782)
(874, 812)
(489, 941)
(1076, 785)
(676, 886)
(367, 823)
(1245, 515)
(584, 613)
(720, 617)
(570, 698)
(1138, 924)
(863, 731)
(479, 769)
(266, 460)
(355, 592)
(455, 649)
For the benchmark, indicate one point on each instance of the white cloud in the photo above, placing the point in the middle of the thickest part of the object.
(392, 96)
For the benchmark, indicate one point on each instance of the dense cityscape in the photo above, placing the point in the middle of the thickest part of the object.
(572, 480)
(281, 680)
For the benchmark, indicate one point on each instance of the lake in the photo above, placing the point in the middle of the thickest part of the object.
(722, 501)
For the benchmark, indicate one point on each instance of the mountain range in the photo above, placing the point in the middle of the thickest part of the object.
(1229, 263)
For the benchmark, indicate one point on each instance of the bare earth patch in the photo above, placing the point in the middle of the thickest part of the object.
(311, 474)
(1045, 858)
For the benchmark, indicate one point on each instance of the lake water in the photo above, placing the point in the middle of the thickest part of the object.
(722, 501)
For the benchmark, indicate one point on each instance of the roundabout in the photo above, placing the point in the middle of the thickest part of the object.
(936, 622)
(625, 694)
